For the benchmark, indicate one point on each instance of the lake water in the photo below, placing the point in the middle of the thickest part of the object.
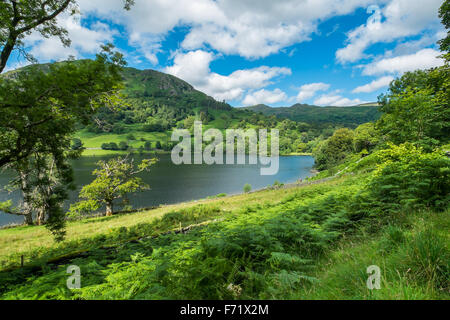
(172, 184)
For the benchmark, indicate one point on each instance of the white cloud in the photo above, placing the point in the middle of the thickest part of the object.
(423, 59)
(309, 90)
(337, 101)
(252, 29)
(193, 67)
(84, 40)
(402, 18)
(264, 97)
(374, 85)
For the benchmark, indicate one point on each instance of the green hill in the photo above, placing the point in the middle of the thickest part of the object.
(155, 103)
(345, 116)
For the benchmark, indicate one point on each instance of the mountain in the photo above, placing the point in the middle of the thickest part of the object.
(345, 116)
(165, 89)
(164, 100)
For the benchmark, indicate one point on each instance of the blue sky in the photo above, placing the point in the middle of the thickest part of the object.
(323, 52)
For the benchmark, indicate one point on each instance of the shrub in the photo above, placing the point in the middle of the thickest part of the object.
(247, 188)
(131, 137)
(123, 145)
(110, 146)
(76, 144)
(147, 145)
(406, 177)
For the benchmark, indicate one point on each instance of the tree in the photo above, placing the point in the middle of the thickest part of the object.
(114, 180)
(43, 180)
(41, 107)
(333, 151)
(123, 145)
(416, 108)
(42, 103)
(366, 137)
(158, 145)
(247, 188)
(147, 145)
(76, 144)
(444, 14)
(20, 18)
(131, 137)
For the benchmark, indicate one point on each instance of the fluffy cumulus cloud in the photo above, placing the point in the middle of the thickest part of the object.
(84, 40)
(193, 67)
(374, 85)
(252, 29)
(308, 91)
(264, 97)
(423, 59)
(337, 101)
(397, 19)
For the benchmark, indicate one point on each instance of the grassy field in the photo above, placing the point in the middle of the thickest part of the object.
(93, 141)
(297, 242)
(35, 241)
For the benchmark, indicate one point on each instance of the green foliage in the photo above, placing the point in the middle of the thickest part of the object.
(333, 151)
(110, 146)
(20, 18)
(247, 188)
(131, 137)
(366, 137)
(444, 14)
(416, 108)
(408, 178)
(322, 116)
(76, 144)
(123, 145)
(429, 258)
(148, 146)
(114, 180)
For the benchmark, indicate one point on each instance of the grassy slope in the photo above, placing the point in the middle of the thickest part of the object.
(407, 248)
(24, 240)
(93, 141)
(403, 250)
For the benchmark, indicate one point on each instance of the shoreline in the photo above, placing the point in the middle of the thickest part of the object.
(94, 152)
(298, 183)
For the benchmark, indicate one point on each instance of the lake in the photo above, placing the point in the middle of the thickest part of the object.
(172, 184)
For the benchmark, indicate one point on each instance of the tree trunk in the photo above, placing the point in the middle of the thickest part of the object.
(109, 209)
(29, 218)
(27, 207)
(41, 217)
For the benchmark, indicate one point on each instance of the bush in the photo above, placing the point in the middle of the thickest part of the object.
(110, 146)
(148, 146)
(123, 145)
(410, 179)
(131, 137)
(76, 144)
(247, 188)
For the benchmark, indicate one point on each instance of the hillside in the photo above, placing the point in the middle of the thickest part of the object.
(156, 102)
(345, 116)
(305, 242)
